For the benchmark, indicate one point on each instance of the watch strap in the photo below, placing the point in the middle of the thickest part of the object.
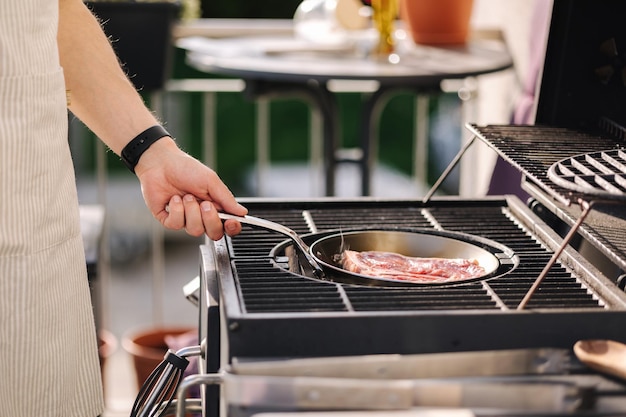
(135, 148)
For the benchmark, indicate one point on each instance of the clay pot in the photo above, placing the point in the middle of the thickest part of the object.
(147, 348)
(437, 22)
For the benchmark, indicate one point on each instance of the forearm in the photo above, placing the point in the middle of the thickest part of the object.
(100, 93)
(106, 101)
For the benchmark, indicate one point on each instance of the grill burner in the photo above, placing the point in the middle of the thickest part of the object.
(491, 223)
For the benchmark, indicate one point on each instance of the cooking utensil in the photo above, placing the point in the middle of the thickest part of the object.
(606, 356)
(322, 252)
(277, 227)
(158, 391)
(422, 243)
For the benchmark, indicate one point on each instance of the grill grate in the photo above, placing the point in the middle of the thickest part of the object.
(266, 287)
(599, 174)
(534, 149)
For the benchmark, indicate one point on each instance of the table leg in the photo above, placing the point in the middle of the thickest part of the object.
(209, 148)
(370, 121)
(329, 111)
(263, 143)
(319, 96)
(420, 139)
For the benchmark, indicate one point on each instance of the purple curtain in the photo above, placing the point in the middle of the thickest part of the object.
(505, 178)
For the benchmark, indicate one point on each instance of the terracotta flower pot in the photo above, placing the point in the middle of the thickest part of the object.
(147, 348)
(437, 22)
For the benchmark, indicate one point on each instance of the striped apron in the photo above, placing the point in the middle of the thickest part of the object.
(48, 349)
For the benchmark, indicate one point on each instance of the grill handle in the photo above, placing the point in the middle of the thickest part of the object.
(277, 227)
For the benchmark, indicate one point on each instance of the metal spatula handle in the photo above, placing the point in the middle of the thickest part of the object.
(277, 227)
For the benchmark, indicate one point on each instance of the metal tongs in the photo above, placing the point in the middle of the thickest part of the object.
(158, 391)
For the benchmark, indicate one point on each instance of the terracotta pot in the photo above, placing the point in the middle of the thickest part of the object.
(147, 348)
(437, 22)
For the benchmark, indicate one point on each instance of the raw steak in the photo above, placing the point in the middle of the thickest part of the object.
(394, 266)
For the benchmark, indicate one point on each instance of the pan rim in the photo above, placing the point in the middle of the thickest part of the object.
(501, 254)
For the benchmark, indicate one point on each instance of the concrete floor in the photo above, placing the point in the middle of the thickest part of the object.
(135, 293)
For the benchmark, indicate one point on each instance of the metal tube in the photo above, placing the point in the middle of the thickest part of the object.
(448, 169)
(191, 381)
(190, 351)
(586, 209)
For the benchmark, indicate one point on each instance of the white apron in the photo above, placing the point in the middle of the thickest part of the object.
(48, 350)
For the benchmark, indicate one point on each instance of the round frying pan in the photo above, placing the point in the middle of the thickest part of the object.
(322, 252)
(422, 243)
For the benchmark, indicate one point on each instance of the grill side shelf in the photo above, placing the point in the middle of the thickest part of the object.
(533, 149)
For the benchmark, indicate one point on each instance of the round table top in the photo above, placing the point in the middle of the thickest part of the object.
(289, 59)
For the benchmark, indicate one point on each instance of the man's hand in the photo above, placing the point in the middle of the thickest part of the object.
(181, 192)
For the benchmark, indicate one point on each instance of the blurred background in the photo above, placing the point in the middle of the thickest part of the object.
(141, 269)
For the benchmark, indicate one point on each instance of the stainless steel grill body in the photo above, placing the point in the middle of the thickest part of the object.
(255, 309)
(268, 311)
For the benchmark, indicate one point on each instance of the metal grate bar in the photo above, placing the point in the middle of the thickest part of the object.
(493, 223)
(468, 297)
(359, 218)
(599, 174)
(269, 289)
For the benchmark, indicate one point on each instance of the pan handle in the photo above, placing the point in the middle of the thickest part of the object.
(277, 227)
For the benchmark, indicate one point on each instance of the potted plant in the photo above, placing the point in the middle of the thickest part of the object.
(141, 34)
(437, 22)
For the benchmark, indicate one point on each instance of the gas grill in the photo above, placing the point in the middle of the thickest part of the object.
(277, 338)
(261, 310)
